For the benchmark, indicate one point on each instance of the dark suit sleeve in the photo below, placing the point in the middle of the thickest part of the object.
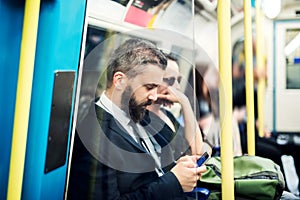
(165, 187)
(147, 186)
(103, 182)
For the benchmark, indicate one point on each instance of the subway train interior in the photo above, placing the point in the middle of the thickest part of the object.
(239, 63)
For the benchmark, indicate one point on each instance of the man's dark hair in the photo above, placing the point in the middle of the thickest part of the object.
(172, 56)
(131, 54)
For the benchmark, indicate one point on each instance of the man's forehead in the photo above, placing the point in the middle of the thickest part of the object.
(152, 74)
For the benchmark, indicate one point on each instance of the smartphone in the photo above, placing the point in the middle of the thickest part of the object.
(202, 159)
(199, 192)
(202, 193)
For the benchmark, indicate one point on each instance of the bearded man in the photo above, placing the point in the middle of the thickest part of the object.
(114, 157)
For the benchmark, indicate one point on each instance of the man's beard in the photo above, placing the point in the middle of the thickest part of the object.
(131, 107)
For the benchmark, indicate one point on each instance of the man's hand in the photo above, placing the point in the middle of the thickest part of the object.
(172, 95)
(187, 172)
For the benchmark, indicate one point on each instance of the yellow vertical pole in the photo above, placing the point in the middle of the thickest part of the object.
(260, 65)
(249, 77)
(23, 96)
(225, 88)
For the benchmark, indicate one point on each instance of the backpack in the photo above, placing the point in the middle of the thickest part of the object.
(254, 178)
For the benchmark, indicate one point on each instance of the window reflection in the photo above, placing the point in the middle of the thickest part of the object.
(292, 53)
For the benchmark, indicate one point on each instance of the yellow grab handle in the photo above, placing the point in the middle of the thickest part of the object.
(23, 97)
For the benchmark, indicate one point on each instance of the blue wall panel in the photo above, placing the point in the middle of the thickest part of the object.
(58, 48)
(11, 21)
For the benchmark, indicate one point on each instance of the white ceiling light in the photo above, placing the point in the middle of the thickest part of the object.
(271, 8)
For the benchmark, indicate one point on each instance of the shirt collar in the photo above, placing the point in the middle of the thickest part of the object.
(105, 103)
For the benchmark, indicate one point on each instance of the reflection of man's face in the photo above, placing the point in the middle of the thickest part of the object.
(131, 106)
(171, 78)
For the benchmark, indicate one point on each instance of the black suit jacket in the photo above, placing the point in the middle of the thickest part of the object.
(108, 164)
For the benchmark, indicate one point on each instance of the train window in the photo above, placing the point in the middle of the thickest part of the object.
(292, 53)
(94, 37)
(100, 43)
(92, 67)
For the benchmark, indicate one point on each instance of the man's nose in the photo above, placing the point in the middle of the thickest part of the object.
(153, 94)
(176, 85)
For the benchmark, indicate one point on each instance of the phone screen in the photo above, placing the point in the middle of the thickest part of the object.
(202, 159)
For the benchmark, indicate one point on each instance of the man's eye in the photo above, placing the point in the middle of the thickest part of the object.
(150, 86)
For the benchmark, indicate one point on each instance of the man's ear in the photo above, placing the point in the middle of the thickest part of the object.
(120, 80)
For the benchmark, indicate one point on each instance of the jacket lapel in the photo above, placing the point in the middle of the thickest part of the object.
(113, 124)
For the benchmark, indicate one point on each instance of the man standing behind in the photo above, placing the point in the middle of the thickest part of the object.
(113, 156)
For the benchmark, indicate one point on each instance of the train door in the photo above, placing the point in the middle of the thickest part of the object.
(287, 75)
(34, 155)
(287, 96)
